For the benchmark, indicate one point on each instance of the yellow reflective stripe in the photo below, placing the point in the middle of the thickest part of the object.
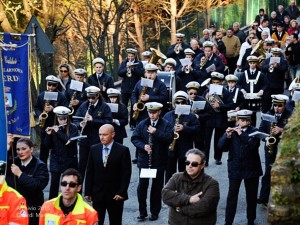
(4, 207)
(78, 222)
(52, 219)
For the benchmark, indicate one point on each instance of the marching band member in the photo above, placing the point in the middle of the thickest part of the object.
(208, 59)
(43, 109)
(146, 56)
(101, 79)
(75, 99)
(275, 129)
(188, 73)
(131, 70)
(176, 51)
(65, 74)
(152, 138)
(185, 126)
(63, 150)
(253, 80)
(94, 113)
(243, 164)
(169, 66)
(217, 121)
(244, 64)
(120, 118)
(202, 115)
(275, 74)
(157, 93)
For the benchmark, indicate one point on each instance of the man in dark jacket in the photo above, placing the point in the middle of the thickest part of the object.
(152, 138)
(108, 176)
(243, 164)
(293, 10)
(100, 79)
(192, 196)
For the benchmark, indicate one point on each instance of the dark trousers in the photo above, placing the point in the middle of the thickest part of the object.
(44, 150)
(114, 209)
(231, 63)
(172, 166)
(208, 135)
(84, 152)
(251, 186)
(155, 193)
(126, 97)
(54, 186)
(266, 179)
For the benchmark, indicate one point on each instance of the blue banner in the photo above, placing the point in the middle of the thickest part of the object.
(16, 84)
(3, 128)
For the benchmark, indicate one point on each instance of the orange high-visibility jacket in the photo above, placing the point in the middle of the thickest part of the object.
(13, 208)
(82, 213)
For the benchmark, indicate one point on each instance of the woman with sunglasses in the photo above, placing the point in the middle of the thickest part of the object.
(64, 149)
(29, 176)
(119, 114)
(281, 115)
(65, 74)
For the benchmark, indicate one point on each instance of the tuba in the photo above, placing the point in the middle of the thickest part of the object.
(156, 56)
(44, 115)
(140, 105)
(213, 98)
(271, 140)
(70, 104)
(175, 135)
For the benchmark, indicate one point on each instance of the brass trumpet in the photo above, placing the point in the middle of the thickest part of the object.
(203, 61)
(213, 98)
(44, 115)
(187, 70)
(175, 135)
(140, 105)
(177, 48)
(271, 68)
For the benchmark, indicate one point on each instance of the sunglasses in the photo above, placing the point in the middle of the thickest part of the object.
(51, 84)
(251, 37)
(278, 105)
(193, 164)
(192, 93)
(71, 184)
(64, 71)
(92, 97)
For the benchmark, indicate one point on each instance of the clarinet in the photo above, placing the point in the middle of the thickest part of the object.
(85, 118)
(150, 142)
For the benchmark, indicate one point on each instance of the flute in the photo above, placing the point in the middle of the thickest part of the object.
(52, 128)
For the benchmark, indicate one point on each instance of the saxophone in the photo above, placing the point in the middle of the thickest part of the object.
(271, 140)
(140, 105)
(70, 104)
(44, 115)
(203, 61)
(213, 98)
(175, 135)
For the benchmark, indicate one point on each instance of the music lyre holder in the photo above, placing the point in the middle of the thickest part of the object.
(148, 172)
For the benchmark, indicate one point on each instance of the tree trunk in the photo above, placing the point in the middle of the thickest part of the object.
(4, 21)
(138, 27)
(173, 11)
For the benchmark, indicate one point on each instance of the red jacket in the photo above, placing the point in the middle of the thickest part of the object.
(13, 208)
(82, 213)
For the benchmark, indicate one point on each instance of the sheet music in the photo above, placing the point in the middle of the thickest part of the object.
(274, 59)
(198, 105)
(147, 82)
(215, 89)
(49, 95)
(259, 135)
(148, 173)
(268, 117)
(296, 96)
(185, 62)
(182, 109)
(113, 107)
(76, 85)
(211, 68)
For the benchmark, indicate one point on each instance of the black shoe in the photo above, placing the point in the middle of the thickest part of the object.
(141, 218)
(134, 161)
(218, 162)
(153, 217)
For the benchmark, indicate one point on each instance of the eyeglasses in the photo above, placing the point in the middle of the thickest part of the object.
(51, 84)
(179, 102)
(64, 71)
(193, 93)
(278, 105)
(71, 184)
(193, 164)
(92, 97)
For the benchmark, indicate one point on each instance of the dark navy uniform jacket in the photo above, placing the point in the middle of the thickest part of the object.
(262, 83)
(128, 83)
(101, 115)
(191, 125)
(105, 80)
(122, 116)
(219, 119)
(161, 140)
(40, 104)
(239, 98)
(171, 53)
(243, 157)
(185, 78)
(276, 78)
(158, 93)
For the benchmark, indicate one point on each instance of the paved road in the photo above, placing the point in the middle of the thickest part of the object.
(219, 172)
